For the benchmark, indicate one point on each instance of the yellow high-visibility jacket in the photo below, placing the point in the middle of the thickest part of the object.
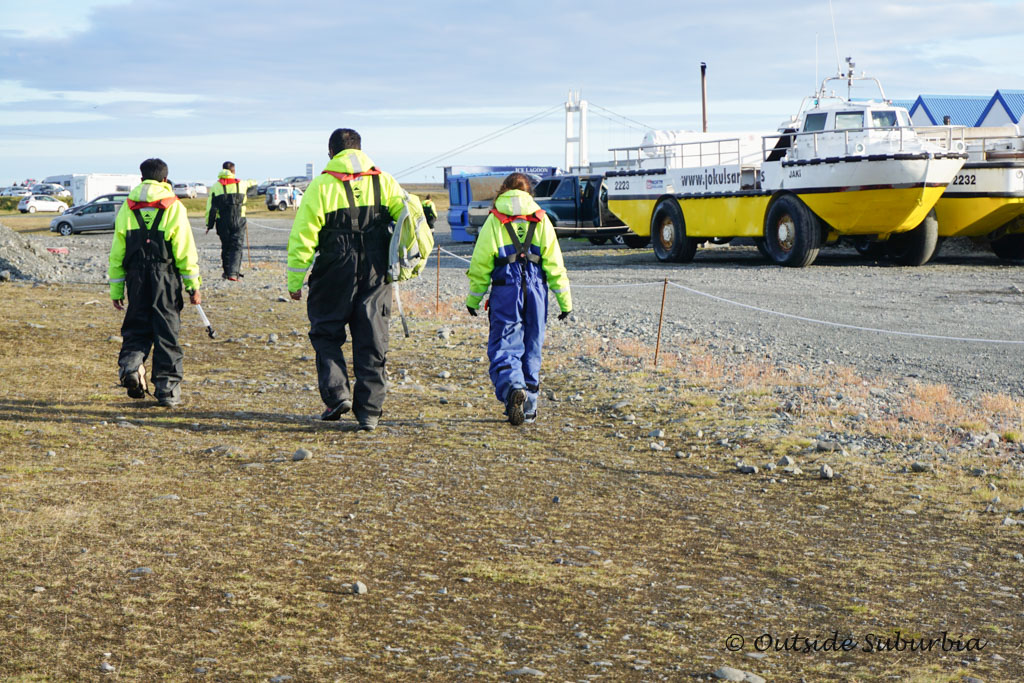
(326, 195)
(494, 241)
(230, 185)
(149, 197)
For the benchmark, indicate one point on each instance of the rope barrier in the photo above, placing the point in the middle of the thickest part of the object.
(268, 227)
(790, 316)
(916, 335)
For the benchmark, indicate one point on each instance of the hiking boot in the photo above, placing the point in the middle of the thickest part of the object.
(171, 401)
(530, 408)
(368, 423)
(135, 382)
(335, 413)
(231, 278)
(514, 407)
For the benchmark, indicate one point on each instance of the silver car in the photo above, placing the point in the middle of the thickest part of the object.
(98, 214)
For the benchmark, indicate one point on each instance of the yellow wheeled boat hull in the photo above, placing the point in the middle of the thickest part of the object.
(851, 212)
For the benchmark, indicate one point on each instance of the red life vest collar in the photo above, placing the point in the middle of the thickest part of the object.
(164, 203)
(228, 181)
(348, 177)
(535, 217)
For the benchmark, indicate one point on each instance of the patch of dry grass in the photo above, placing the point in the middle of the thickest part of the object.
(570, 546)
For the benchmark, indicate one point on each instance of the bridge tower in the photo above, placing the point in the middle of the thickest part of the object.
(576, 132)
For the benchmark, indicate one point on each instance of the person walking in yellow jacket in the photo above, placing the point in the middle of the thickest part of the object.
(517, 257)
(344, 221)
(152, 254)
(225, 210)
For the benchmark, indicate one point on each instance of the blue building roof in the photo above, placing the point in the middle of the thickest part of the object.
(962, 110)
(1011, 100)
(906, 104)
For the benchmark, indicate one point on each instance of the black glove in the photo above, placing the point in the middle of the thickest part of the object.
(472, 311)
(564, 314)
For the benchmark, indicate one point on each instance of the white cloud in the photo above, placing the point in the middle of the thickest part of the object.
(50, 21)
(14, 92)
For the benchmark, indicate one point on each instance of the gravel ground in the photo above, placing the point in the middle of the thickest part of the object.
(964, 293)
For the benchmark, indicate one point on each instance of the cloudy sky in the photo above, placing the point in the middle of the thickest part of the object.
(98, 85)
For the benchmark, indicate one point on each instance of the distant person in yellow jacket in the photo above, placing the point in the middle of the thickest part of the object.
(152, 254)
(344, 221)
(429, 211)
(225, 210)
(517, 257)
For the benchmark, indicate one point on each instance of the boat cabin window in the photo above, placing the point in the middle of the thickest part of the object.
(904, 118)
(845, 120)
(815, 122)
(883, 119)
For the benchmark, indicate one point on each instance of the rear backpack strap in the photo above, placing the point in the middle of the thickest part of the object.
(142, 222)
(353, 221)
(516, 244)
(376, 193)
(530, 256)
(151, 236)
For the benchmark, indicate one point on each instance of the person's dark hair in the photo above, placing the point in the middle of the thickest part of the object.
(515, 181)
(343, 138)
(154, 169)
(228, 166)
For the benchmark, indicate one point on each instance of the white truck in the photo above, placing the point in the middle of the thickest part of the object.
(87, 186)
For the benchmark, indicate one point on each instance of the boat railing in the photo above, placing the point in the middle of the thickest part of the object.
(986, 144)
(676, 154)
(775, 146)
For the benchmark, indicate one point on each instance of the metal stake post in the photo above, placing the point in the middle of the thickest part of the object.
(661, 317)
(437, 297)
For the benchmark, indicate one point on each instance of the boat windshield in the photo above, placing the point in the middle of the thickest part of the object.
(845, 120)
(904, 118)
(815, 122)
(883, 119)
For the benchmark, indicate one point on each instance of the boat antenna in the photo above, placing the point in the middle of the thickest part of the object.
(835, 38)
(816, 83)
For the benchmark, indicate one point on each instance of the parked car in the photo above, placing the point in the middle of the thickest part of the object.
(40, 202)
(184, 190)
(52, 189)
(299, 181)
(281, 197)
(15, 192)
(99, 214)
(262, 187)
(200, 189)
(578, 207)
(117, 197)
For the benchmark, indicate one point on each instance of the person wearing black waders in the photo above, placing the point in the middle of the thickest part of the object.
(430, 211)
(517, 256)
(225, 210)
(153, 252)
(344, 220)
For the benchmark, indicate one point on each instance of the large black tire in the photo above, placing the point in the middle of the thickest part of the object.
(759, 243)
(1009, 248)
(869, 248)
(792, 233)
(281, 206)
(636, 241)
(915, 247)
(668, 233)
(598, 241)
(65, 229)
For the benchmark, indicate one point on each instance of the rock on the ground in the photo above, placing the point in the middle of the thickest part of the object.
(826, 472)
(727, 673)
(525, 671)
(301, 454)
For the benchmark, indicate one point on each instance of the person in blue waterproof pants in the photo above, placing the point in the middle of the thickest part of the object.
(517, 257)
